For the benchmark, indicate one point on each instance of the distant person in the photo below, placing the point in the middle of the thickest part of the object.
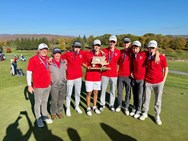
(92, 77)
(38, 72)
(74, 60)
(58, 84)
(156, 74)
(112, 56)
(14, 63)
(124, 79)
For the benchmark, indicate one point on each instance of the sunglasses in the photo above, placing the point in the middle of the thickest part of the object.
(97, 45)
(77, 47)
(126, 42)
(112, 42)
(151, 48)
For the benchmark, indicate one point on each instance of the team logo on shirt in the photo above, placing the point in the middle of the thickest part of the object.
(115, 54)
(80, 56)
(141, 57)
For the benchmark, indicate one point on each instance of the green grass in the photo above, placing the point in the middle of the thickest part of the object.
(104, 127)
(179, 66)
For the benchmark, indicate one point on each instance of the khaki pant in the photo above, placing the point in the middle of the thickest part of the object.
(41, 99)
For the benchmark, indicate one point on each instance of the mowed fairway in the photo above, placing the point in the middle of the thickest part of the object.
(17, 121)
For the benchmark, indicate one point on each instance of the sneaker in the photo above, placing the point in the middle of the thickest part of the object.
(126, 112)
(47, 119)
(112, 108)
(158, 121)
(102, 108)
(89, 111)
(143, 116)
(60, 116)
(68, 113)
(77, 109)
(96, 111)
(137, 115)
(54, 117)
(40, 123)
(118, 109)
(132, 112)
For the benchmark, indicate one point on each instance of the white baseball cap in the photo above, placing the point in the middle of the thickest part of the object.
(97, 42)
(152, 43)
(136, 43)
(42, 46)
(113, 38)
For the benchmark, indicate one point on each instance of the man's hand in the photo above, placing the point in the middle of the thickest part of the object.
(30, 89)
(50, 60)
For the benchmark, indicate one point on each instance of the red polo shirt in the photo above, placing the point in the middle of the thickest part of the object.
(112, 58)
(154, 72)
(125, 63)
(40, 71)
(74, 64)
(139, 65)
(92, 75)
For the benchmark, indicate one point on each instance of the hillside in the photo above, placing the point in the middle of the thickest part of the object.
(6, 37)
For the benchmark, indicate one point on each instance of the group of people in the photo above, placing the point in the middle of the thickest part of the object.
(143, 71)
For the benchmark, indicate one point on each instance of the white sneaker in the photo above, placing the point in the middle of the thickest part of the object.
(89, 112)
(102, 108)
(127, 112)
(68, 113)
(96, 111)
(158, 121)
(118, 109)
(47, 119)
(143, 116)
(132, 112)
(137, 115)
(78, 110)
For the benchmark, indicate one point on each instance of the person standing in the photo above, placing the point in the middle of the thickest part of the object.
(112, 56)
(74, 60)
(156, 74)
(58, 69)
(138, 76)
(124, 79)
(92, 77)
(38, 72)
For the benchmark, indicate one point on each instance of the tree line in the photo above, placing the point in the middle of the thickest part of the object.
(164, 42)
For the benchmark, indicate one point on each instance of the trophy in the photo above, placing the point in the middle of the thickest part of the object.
(101, 61)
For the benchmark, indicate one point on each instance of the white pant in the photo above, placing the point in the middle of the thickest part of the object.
(113, 82)
(158, 90)
(77, 83)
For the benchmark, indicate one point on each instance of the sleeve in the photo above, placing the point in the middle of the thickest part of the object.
(164, 62)
(63, 56)
(30, 65)
(29, 77)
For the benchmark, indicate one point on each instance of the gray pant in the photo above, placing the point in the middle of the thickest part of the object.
(158, 90)
(77, 83)
(113, 82)
(138, 90)
(57, 99)
(124, 81)
(41, 99)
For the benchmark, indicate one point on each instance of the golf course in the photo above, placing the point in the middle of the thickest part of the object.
(17, 120)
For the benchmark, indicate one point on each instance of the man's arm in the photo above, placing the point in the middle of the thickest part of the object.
(29, 78)
(165, 73)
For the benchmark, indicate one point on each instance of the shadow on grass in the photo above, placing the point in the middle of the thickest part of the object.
(114, 134)
(14, 133)
(151, 117)
(73, 134)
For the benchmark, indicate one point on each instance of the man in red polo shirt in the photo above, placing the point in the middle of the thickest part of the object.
(138, 75)
(74, 60)
(92, 77)
(112, 56)
(38, 72)
(155, 78)
(124, 79)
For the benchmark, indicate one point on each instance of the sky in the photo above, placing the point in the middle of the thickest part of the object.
(94, 17)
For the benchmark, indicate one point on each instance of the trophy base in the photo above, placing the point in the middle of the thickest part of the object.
(102, 69)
